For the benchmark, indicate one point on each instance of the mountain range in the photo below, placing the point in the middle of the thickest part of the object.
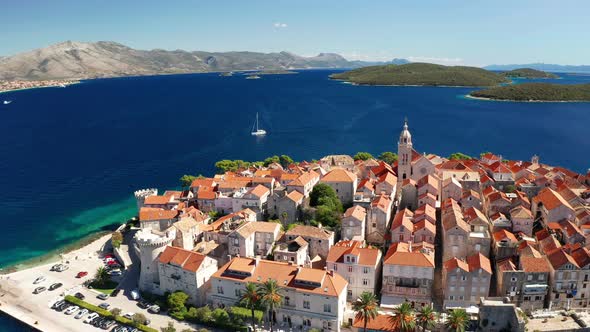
(80, 60)
(543, 67)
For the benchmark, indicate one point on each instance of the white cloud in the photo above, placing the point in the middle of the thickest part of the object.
(279, 25)
(440, 61)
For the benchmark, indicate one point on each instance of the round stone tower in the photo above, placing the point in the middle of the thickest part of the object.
(150, 247)
(141, 194)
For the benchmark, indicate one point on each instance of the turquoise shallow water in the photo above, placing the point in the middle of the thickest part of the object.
(72, 157)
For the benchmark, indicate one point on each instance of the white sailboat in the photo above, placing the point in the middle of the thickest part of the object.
(6, 102)
(258, 131)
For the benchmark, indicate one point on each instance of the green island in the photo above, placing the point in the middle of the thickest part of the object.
(536, 92)
(528, 73)
(422, 74)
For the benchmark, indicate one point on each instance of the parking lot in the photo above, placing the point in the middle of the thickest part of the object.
(17, 298)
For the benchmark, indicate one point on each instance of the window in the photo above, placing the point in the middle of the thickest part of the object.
(219, 290)
(463, 278)
(238, 293)
(350, 269)
(513, 279)
(349, 293)
(366, 282)
(327, 307)
(287, 300)
(529, 277)
(306, 304)
(451, 297)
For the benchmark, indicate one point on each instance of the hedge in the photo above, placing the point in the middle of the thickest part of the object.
(246, 314)
(106, 313)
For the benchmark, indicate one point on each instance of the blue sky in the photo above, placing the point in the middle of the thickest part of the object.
(448, 32)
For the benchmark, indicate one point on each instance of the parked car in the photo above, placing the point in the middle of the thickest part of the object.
(128, 315)
(54, 267)
(154, 309)
(62, 267)
(55, 286)
(102, 296)
(63, 306)
(81, 313)
(90, 317)
(104, 306)
(143, 304)
(57, 304)
(80, 296)
(81, 274)
(39, 290)
(71, 310)
(105, 325)
(115, 272)
(39, 280)
(135, 294)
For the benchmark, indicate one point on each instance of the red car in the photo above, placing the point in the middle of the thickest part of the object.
(81, 274)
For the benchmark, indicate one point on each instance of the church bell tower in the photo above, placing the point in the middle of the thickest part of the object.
(404, 155)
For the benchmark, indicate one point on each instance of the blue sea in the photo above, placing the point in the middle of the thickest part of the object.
(72, 157)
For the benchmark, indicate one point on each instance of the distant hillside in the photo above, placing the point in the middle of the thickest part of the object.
(544, 67)
(108, 59)
(537, 92)
(528, 73)
(421, 74)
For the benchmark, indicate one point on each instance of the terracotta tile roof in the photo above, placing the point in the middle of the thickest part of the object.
(304, 179)
(550, 199)
(157, 200)
(339, 175)
(534, 264)
(400, 253)
(382, 202)
(147, 214)
(382, 323)
(388, 178)
(472, 214)
(188, 260)
(310, 231)
(250, 227)
(427, 210)
(295, 196)
(403, 217)
(366, 184)
(365, 256)
(259, 191)
(479, 261)
(505, 265)
(185, 224)
(428, 180)
(581, 256)
(504, 235)
(559, 257)
(286, 275)
(425, 224)
(455, 263)
(206, 195)
(452, 216)
(204, 182)
(358, 212)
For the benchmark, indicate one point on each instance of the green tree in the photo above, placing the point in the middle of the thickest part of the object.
(365, 307)
(285, 160)
(426, 317)
(220, 317)
(251, 299)
(404, 318)
(116, 239)
(271, 160)
(321, 190)
(510, 188)
(362, 156)
(116, 312)
(388, 157)
(202, 314)
(271, 297)
(459, 156)
(327, 216)
(101, 276)
(138, 319)
(186, 180)
(457, 320)
(176, 304)
(169, 328)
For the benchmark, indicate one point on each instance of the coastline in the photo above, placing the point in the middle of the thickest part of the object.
(54, 255)
(40, 87)
(469, 96)
(409, 85)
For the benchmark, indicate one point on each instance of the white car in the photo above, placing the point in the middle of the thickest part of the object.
(128, 315)
(81, 313)
(135, 294)
(90, 317)
(71, 310)
(39, 280)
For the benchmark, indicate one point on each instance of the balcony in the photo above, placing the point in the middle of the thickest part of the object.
(535, 289)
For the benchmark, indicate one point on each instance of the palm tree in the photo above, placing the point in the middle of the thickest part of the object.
(457, 320)
(426, 317)
(404, 317)
(250, 299)
(271, 297)
(101, 276)
(365, 307)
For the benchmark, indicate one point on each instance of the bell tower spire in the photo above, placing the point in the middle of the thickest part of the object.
(404, 154)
